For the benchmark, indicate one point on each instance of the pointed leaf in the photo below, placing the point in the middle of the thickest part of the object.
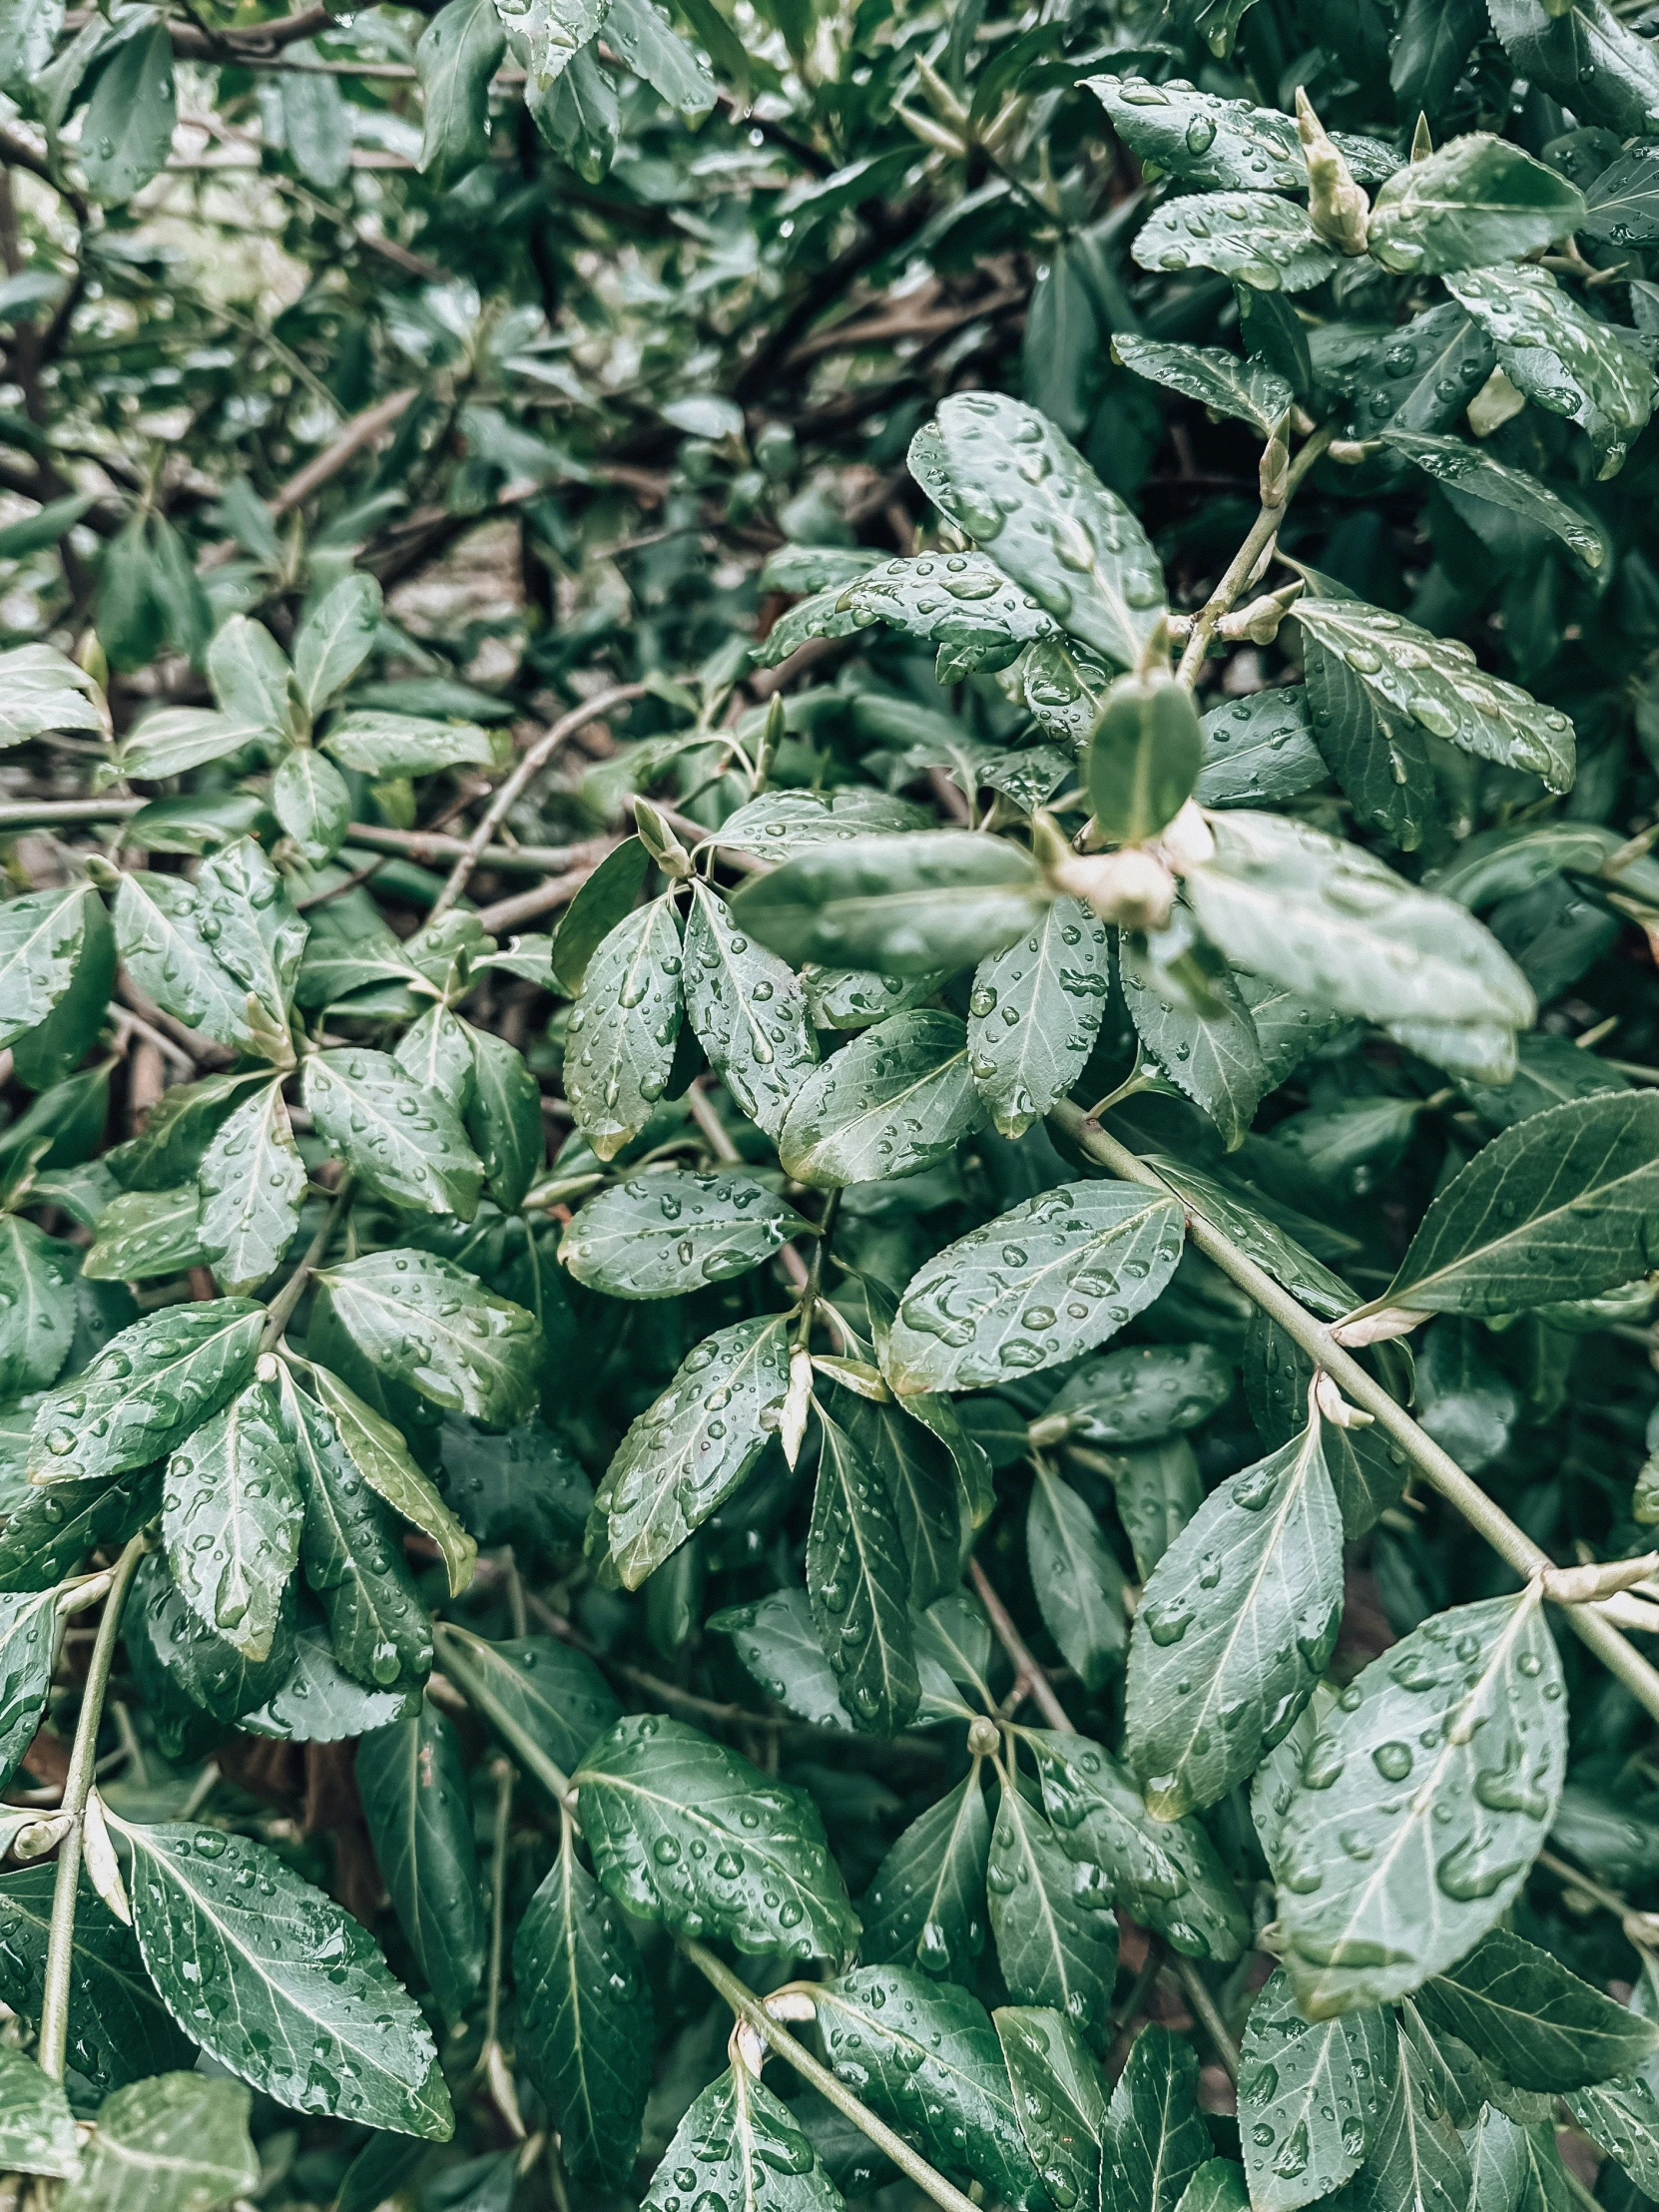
(1416, 2159)
(1050, 1279)
(251, 1180)
(1057, 1944)
(335, 638)
(539, 1688)
(1251, 237)
(622, 1028)
(741, 2148)
(906, 905)
(37, 1305)
(1078, 1584)
(925, 2056)
(779, 1645)
(425, 1321)
(403, 1141)
(1155, 2138)
(1035, 1014)
(748, 1010)
(503, 1117)
(1310, 2098)
(1448, 1831)
(231, 1520)
(176, 2144)
(377, 1451)
(1536, 2024)
(28, 1650)
(763, 1878)
(858, 1585)
(667, 1233)
(1213, 1055)
(308, 2011)
(150, 1387)
(118, 2031)
(926, 1904)
(246, 914)
(37, 2128)
(416, 1799)
(584, 2020)
(684, 1456)
(896, 1100)
(1060, 2099)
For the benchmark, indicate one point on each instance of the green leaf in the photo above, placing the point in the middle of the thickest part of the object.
(37, 1305)
(1142, 756)
(250, 675)
(1201, 137)
(684, 1455)
(1059, 2100)
(781, 825)
(44, 937)
(926, 1904)
(777, 1644)
(1472, 201)
(1557, 354)
(37, 2128)
(313, 801)
(307, 2010)
(1328, 920)
(1212, 1054)
(118, 2031)
(1077, 1581)
(435, 1052)
(380, 744)
(148, 1389)
(622, 1028)
(858, 1585)
(172, 740)
(176, 2144)
(377, 1450)
(741, 2146)
(1584, 55)
(1471, 472)
(584, 2020)
(1622, 2116)
(1159, 1490)
(763, 1880)
(1035, 1014)
(157, 929)
(1156, 2139)
(1310, 2098)
(1058, 1945)
(1072, 544)
(422, 1321)
(1536, 2024)
(747, 1011)
(907, 905)
(603, 900)
(380, 1629)
(417, 1800)
(1164, 1873)
(178, 1131)
(231, 1518)
(48, 1530)
(336, 639)
(1049, 1280)
(503, 1117)
(1435, 42)
(248, 917)
(925, 2056)
(1258, 747)
(894, 1101)
(1251, 237)
(1218, 2185)
(45, 689)
(667, 1233)
(1234, 1628)
(405, 1142)
(1556, 1207)
(1144, 1393)
(28, 1650)
(1622, 204)
(963, 603)
(916, 1469)
(1217, 379)
(540, 1689)
(127, 133)
(318, 1701)
(458, 53)
(1416, 2157)
(1376, 682)
(1443, 1858)
(251, 1182)
(1367, 1471)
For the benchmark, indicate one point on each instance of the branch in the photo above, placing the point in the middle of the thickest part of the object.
(1437, 1465)
(83, 1763)
(281, 1310)
(749, 2008)
(1263, 531)
(507, 794)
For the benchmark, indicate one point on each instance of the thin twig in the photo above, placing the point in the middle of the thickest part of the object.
(1027, 1670)
(531, 766)
(281, 1310)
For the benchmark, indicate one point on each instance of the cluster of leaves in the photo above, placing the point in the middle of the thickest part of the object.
(869, 1437)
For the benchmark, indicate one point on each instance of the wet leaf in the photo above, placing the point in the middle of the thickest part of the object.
(425, 1321)
(1311, 2100)
(150, 1387)
(412, 1780)
(858, 1585)
(1058, 1945)
(894, 1101)
(1035, 1014)
(906, 905)
(230, 1517)
(747, 1009)
(926, 1904)
(176, 2144)
(1077, 1581)
(404, 1140)
(667, 1233)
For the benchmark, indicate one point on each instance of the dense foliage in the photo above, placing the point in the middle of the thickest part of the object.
(829, 1182)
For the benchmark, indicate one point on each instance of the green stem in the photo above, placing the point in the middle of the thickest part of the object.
(281, 1310)
(1204, 2006)
(747, 2007)
(504, 1778)
(83, 1762)
(815, 1270)
(1437, 1465)
(1263, 531)
(457, 1665)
